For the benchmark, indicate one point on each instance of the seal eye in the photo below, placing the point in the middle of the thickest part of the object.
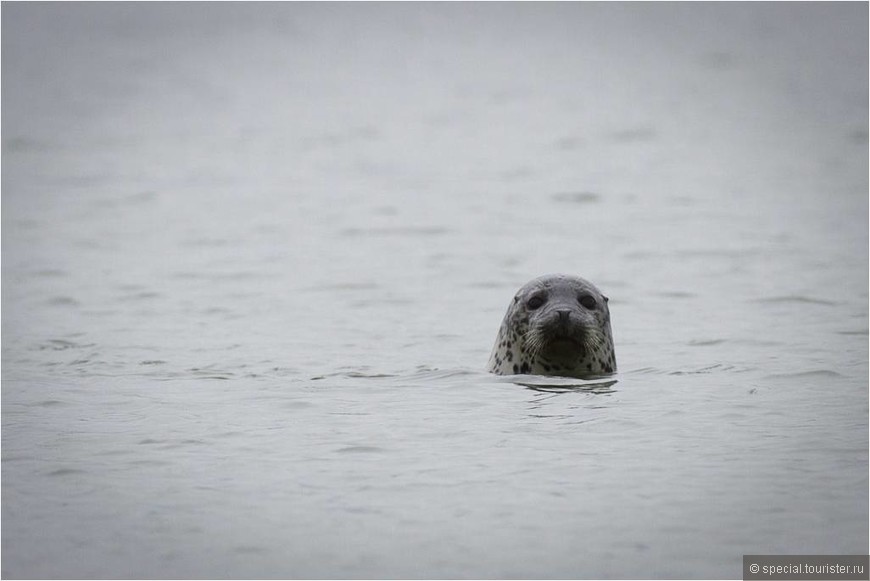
(535, 302)
(588, 301)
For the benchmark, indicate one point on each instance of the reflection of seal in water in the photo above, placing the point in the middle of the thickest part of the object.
(556, 325)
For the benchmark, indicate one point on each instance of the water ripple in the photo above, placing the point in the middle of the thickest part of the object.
(809, 374)
(800, 299)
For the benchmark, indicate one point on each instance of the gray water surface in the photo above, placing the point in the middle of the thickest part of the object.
(255, 257)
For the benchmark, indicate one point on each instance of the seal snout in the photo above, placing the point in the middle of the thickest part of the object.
(559, 333)
(562, 323)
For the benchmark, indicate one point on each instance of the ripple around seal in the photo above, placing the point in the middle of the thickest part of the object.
(353, 375)
(555, 383)
(592, 387)
(423, 375)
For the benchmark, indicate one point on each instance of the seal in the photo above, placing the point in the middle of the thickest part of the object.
(556, 325)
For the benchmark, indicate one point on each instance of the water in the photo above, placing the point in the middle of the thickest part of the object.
(255, 257)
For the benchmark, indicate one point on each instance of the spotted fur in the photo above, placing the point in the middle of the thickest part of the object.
(555, 325)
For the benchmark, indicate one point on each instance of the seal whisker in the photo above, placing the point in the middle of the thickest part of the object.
(534, 343)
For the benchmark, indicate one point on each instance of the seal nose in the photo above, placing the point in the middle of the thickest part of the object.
(564, 316)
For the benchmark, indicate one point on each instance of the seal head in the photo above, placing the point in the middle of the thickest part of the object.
(555, 325)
